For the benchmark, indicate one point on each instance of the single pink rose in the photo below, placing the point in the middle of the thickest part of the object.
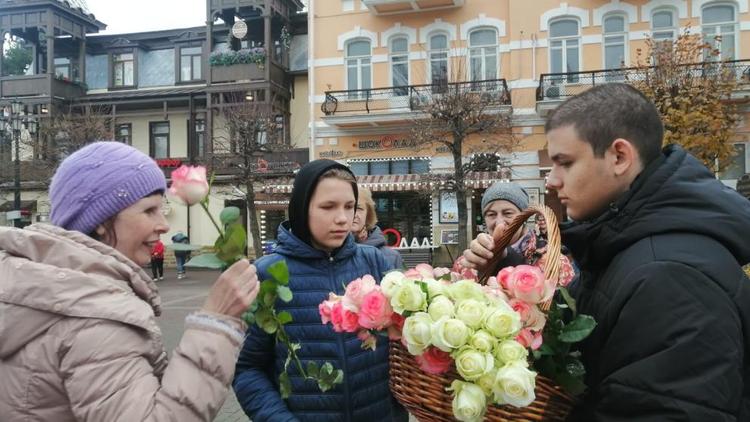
(337, 317)
(434, 361)
(502, 276)
(189, 184)
(425, 270)
(356, 290)
(369, 341)
(375, 311)
(460, 271)
(350, 320)
(412, 274)
(530, 339)
(528, 283)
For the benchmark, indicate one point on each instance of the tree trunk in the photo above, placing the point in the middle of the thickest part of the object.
(458, 174)
(252, 215)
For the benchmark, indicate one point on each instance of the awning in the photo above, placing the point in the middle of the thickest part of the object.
(29, 205)
(390, 182)
(484, 179)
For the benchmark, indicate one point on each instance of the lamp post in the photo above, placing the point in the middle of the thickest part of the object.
(16, 122)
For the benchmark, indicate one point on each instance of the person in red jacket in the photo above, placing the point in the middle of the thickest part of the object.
(157, 260)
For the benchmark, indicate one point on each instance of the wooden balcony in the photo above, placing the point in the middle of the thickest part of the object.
(554, 88)
(45, 87)
(394, 7)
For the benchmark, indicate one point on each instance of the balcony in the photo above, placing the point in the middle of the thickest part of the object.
(393, 7)
(45, 87)
(393, 105)
(554, 88)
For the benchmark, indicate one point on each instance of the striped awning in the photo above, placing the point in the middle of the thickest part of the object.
(406, 182)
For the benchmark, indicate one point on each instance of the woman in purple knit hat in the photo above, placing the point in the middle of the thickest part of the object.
(79, 336)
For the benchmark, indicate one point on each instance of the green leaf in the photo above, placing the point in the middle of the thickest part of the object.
(578, 329)
(206, 260)
(231, 247)
(284, 318)
(574, 367)
(312, 369)
(269, 299)
(285, 385)
(326, 369)
(265, 320)
(280, 272)
(229, 215)
(249, 317)
(569, 300)
(268, 286)
(285, 293)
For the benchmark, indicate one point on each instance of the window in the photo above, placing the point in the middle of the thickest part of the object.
(439, 62)
(123, 69)
(565, 48)
(406, 212)
(720, 29)
(358, 67)
(124, 133)
(190, 64)
(483, 55)
(404, 166)
(200, 137)
(62, 68)
(663, 25)
(159, 139)
(400, 65)
(737, 167)
(615, 39)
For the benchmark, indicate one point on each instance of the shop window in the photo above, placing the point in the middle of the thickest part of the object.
(415, 166)
(124, 133)
(407, 212)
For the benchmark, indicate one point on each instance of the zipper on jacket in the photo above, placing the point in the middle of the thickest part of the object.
(342, 344)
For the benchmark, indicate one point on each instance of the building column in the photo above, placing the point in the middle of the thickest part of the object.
(50, 44)
(82, 59)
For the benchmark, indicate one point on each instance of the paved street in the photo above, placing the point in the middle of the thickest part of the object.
(180, 297)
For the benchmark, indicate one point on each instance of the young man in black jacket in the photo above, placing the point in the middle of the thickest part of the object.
(661, 244)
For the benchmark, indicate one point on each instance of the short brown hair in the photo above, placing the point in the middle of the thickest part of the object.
(341, 174)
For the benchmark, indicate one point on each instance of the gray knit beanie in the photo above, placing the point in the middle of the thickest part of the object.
(509, 191)
(98, 181)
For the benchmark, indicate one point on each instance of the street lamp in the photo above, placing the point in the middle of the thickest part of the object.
(14, 125)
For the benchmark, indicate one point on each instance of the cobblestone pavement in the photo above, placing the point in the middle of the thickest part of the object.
(179, 298)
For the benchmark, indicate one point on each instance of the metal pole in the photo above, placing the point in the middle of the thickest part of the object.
(17, 181)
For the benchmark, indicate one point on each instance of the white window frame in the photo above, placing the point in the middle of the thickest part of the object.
(718, 25)
(624, 34)
(564, 47)
(401, 55)
(430, 52)
(675, 22)
(359, 67)
(482, 49)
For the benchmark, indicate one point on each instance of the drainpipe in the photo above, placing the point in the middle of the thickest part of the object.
(311, 73)
(533, 55)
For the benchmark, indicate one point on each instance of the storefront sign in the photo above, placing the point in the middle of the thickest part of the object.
(396, 234)
(387, 142)
(448, 207)
(168, 163)
(331, 154)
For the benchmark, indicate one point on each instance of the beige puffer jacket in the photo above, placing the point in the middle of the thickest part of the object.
(79, 340)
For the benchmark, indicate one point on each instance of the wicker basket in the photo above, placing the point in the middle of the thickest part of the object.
(425, 396)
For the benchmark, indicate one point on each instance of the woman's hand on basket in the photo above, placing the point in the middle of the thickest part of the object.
(234, 290)
(480, 251)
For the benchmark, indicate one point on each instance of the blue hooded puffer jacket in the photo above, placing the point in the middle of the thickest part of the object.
(364, 395)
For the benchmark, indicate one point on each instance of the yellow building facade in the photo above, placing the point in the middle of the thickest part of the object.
(371, 61)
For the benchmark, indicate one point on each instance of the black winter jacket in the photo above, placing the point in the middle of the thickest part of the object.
(661, 274)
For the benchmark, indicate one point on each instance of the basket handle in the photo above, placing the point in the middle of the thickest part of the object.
(551, 257)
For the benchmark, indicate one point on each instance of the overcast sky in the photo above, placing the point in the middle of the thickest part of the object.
(122, 16)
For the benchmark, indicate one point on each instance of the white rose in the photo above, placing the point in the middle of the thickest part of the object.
(441, 306)
(469, 401)
(514, 385)
(417, 332)
(449, 334)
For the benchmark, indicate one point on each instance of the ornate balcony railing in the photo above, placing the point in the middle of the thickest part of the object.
(410, 97)
(559, 86)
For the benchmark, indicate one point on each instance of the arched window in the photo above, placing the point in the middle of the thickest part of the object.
(483, 54)
(399, 49)
(615, 40)
(439, 61)
(358, 66)
(720, 28)
(663, 25)
(564, 47)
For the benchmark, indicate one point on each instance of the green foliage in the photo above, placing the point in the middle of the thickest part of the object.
(230, 248)
(555, 359)
(271, 322)
(255, 55)
(206, 260)
(229, 215)
(16, 59)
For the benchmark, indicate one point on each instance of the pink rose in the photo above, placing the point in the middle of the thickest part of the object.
(434, 361)
(425, 270)
(356, 290)
(397, 324)
(412, 274)
(337, 317)
(529, 338)
(531, 316)
(369, 341)
(325, 311)
(375, 311)
(566, 271)
(189, 184)
(350, 320)
(502, 276)
(462, 271)
(440, 272)
(528, 283)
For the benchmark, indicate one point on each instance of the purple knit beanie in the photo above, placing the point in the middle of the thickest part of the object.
(98, 181)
